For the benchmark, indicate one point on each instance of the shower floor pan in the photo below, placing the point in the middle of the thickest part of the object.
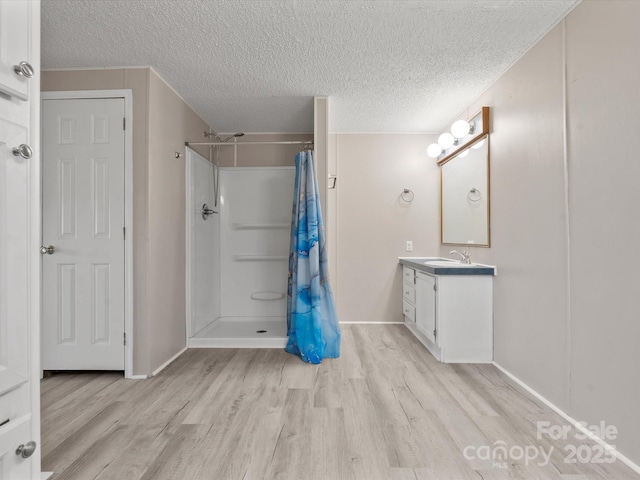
(242, 332)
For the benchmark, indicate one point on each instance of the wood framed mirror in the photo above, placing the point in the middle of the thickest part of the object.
(464, 197)
(464, 187)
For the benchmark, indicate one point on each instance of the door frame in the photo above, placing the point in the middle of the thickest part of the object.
(127, 95)
(188, 177)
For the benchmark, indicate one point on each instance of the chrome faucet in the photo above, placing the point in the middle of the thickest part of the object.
(465, 254)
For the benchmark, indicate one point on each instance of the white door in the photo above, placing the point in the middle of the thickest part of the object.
(83, 224)
(426, 305)
(19, 229)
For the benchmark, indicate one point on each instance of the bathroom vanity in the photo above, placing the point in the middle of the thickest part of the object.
(448, 306)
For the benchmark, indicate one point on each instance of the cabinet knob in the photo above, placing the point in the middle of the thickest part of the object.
(25, 451)
(23, 151)
(23, 69)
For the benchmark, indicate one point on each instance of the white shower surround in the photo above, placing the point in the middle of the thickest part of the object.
(247, 253)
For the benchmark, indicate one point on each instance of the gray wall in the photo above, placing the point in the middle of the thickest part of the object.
(162, 122)
(564, 222)
(372, 223)
(171, 123)
(564, 217)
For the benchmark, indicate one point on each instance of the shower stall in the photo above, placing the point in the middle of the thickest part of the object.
(237, 254)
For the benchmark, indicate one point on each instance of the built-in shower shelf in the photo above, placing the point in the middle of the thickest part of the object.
(267, 296)
(260, 226)
(264, 258)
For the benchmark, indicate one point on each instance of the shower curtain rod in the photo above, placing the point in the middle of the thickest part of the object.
(220, 144)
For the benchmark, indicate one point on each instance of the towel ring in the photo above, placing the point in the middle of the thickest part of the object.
(407, 195)
(474, 195)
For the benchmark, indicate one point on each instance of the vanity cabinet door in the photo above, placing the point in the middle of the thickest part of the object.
(15, 34)
(426, 306)
(409, 295)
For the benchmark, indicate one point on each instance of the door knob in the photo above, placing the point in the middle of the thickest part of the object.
(25, 451)
(23, 151)
(24, 69)
(47, 250)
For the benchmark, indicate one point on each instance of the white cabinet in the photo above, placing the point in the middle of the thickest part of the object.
(426, 306)
(16, 33)
(452, 315)
(19, 243)
(409, 294)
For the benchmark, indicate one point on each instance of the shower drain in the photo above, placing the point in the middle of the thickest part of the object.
(261, 331)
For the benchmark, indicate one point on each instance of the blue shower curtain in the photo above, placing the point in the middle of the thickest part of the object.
(312, 323)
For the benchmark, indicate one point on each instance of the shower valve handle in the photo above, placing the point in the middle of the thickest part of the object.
(206, 211)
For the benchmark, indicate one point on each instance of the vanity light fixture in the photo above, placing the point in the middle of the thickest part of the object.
(434, 150)
(446, 140)
(462, 128)
(463, 134)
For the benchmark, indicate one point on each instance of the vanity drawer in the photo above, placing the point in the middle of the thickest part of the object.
(409, 275)
(409, 293)
(409, 311)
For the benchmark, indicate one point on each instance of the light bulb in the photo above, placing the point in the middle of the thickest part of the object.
(463, 154)
(460, 128)
(479, 144)
(446, 140)
(434, 150)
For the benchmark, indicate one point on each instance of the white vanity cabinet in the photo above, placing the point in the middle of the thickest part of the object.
(452, 314)
(409, 294)
(426, 306)
(16, 33)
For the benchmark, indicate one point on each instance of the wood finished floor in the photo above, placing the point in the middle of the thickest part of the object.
(384, 410)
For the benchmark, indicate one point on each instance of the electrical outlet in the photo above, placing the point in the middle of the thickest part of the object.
(409, 247)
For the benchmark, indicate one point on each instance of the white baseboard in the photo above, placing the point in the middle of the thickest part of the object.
(168, 362)
(633, 466)
(371, 323)
(45, 475)
(268, 342)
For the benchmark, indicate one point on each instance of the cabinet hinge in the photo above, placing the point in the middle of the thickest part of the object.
(124, 233)
(124, 339)
(124, 123)
(435, 333)
(435, 287)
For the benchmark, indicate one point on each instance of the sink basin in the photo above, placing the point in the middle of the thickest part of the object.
(446, 263)
(446, 266)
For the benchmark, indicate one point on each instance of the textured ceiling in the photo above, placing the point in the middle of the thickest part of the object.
(255, 65)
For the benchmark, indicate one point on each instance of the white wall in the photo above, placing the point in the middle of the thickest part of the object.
(203, 236)
(255, 221)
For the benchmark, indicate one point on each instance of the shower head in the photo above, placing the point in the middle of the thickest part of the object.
(213, 134)
(239, 134)
(216, 135)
